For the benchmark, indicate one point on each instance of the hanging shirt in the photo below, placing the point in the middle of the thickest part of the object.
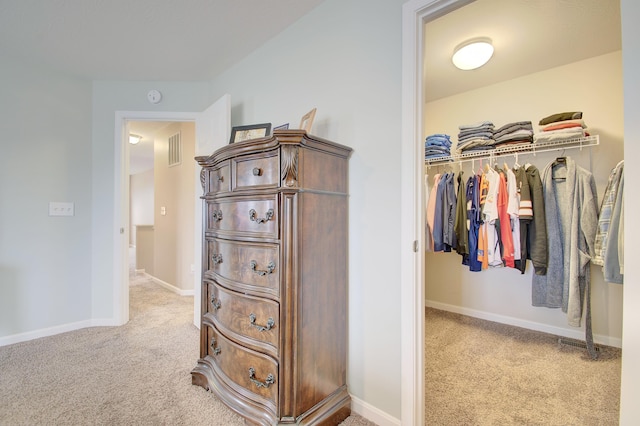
(513, 210)
(473, 216)
(606, 208)
(460, 228)
(490, 215)
(506, 237)
(449, 213)
(537, 249)
(482, 230)
(438, 220)
(613, 265)
(431, 209)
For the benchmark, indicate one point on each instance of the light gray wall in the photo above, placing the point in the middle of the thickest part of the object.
(345, 59)
(45, 261)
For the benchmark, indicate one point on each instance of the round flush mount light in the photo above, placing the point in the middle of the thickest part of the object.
(134, 139)
(472, 54)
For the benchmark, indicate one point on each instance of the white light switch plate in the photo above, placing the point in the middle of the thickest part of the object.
(57, 208)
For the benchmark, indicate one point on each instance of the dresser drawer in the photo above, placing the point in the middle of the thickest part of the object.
(247, 316)
(256, 171)
(245, 266)
(249, 217)
(254, 374)
(220, 178)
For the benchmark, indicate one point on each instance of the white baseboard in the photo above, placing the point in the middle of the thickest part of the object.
(51, 331)
(371, 413)
(95, 322)
(170, 287)
(578, 334)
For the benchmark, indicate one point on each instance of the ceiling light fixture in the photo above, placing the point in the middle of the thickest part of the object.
(472, 54)
(134, 139)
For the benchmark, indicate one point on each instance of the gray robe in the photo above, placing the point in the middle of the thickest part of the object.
(571, 209)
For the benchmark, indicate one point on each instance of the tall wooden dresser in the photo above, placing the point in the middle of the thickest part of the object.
(273, 343)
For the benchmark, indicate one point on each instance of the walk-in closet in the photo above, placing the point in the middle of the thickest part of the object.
(502, 306)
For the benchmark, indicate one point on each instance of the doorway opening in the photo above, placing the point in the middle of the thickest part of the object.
(417, 14)
(160, 209)
(124, 121)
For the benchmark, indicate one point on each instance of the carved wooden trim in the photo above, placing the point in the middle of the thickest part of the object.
(289, 162)
(202, 178)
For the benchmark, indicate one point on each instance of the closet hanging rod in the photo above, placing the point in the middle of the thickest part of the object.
(530, 148)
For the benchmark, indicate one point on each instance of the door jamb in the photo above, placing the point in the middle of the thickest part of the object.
(415, 14)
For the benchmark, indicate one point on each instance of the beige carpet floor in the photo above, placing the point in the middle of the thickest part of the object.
(477, 373)
(137, 374)
(484, 373)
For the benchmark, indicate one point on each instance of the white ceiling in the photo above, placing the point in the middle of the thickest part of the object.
(193, 40)
(528, 36)
(198, 39)
(185, 40)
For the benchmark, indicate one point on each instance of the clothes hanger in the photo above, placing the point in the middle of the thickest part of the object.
(533, 151)
(561, 160)
(516, 165)
(487, 165)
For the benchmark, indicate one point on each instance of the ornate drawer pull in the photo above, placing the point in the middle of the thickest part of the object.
(220, 178)
(216, 258)
(269, 326)
(217, 215)
(216, 351)
(268, 382)
(257, 171)
(215, 303)
(253, 216)
(270, 268)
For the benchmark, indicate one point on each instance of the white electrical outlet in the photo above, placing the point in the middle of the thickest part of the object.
(58, 208)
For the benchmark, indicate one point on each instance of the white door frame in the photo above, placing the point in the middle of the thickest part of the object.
(414, 15)
(121, 204)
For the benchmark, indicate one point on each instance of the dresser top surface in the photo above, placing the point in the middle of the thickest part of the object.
(279, 138)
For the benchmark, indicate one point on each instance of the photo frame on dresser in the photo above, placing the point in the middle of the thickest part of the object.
(307, 120)
(252, 131)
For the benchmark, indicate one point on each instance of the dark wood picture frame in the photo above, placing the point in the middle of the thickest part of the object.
(284, 126)
(252, 131)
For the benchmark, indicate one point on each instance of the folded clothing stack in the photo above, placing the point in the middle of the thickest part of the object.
(561, 126)
(476, 137)
(516, 133)
(437, 146)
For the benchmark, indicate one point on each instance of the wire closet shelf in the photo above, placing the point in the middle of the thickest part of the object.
(528, 148)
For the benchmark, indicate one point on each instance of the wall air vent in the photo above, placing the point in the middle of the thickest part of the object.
(175, 150)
